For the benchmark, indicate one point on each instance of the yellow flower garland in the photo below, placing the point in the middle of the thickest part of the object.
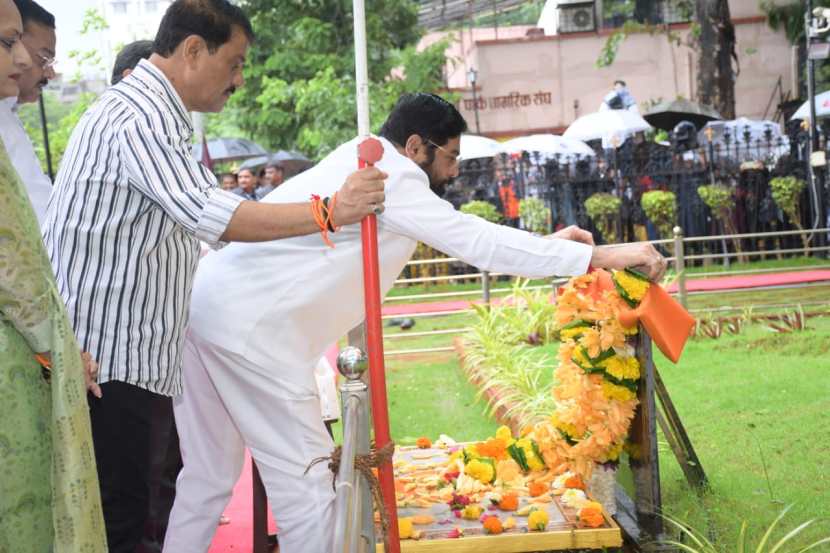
(595, 383)
(622, 368)
(634, 287)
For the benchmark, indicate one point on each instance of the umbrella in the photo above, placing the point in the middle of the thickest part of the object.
(292, 163)
(666, 115)
(289, 155)
(474, 147)
(737, 129)
(550, 146)
(229, 149)
(822, 107)
(612, 126)
(763, 134)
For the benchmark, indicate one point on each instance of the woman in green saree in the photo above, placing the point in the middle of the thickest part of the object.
(49, 495)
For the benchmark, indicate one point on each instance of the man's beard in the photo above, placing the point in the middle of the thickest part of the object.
(438, 187)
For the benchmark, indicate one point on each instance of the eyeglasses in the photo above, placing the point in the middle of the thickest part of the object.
(46, 62)
(453, 157)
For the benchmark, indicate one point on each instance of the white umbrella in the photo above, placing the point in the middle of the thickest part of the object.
(549, 145)
(759, 130)
(474, 147)
(822, 107)
(612, 126)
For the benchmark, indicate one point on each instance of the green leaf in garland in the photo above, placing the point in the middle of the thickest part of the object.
(624, 295)
(518, 455)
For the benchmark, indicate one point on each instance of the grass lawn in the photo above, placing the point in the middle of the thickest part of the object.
(756, 407)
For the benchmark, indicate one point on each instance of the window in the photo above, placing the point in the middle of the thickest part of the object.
(119, 7)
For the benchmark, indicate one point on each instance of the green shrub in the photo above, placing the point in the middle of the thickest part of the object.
(786, 192)
(721, 200)
(661, 209)
(604, 210)
(535, 215)
(485, 210)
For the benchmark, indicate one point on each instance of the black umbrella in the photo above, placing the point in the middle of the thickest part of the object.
(230, 149)
(291, 162)
(666, 115)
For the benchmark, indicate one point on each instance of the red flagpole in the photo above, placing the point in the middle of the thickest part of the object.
(369, 152)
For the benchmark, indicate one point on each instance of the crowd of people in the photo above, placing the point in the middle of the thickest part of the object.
(251, 184)
(123, 352)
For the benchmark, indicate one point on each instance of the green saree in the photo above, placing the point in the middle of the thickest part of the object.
(49, 495)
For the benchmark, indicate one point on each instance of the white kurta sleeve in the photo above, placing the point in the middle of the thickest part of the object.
(413, 210)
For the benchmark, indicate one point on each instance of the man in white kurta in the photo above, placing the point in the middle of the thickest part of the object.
(263, 314)
(39, 40)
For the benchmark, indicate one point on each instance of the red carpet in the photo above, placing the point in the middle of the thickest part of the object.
(692, 285)
(753, 281)
(237, 537)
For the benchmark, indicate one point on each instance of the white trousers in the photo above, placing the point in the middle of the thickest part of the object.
(229, 404)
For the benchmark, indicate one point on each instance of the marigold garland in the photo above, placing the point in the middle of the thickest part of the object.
(597, 375)
(596, 393)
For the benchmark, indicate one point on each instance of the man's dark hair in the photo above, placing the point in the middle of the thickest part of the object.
(620, 82)
(213, 20)
(427, 115)
(275, 164)
(129, 56)
(32, 12)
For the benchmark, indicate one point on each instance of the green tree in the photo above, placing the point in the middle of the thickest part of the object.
(712, 37)
(300, 90)
(30, 117)
(789, 17)
(61, 118)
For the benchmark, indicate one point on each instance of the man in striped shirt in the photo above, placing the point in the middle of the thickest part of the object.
(123, 227)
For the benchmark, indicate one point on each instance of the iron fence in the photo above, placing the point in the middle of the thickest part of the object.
(745, 163)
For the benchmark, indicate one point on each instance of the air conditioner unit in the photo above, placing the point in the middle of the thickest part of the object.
(576, 17)
(672, 11)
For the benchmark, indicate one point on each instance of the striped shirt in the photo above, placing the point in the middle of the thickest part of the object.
(128, 210)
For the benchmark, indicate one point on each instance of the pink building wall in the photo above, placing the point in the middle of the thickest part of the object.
(542, 83)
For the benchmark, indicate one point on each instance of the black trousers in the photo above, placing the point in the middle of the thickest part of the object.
(137, 452)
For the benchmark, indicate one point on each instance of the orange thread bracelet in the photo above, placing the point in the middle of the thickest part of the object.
(45, 363)
(321, 215)
(330, 209)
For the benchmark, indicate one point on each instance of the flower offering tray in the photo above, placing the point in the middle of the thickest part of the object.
(423, 494)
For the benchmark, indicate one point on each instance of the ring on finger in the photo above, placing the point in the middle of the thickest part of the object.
(377, 209)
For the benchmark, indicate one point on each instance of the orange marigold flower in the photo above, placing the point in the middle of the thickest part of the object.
(575, 481)
(492, 525)
(591, 515)
(494, 447)
(591, 341)
(423, 443)
(535, 489)
(509, 502)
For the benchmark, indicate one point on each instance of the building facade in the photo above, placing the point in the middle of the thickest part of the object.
(129, 20)
(529, 82)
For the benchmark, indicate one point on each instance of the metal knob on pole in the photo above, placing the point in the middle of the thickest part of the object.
(354, 516)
